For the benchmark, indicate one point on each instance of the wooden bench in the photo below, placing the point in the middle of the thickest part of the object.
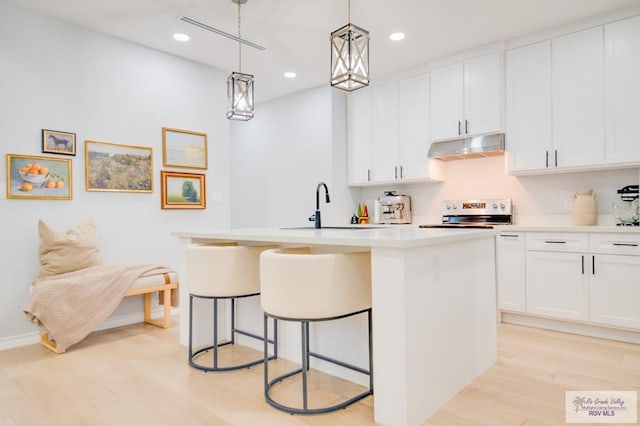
(145, 286)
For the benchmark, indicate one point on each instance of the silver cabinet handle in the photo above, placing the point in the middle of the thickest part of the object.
(555, 242)
(459, 128)
(555, 155)
(368, 175)
(625, 244)
(593, 265)
(582, 264)
(510, 235)
(401, 172)
(396, 171)
(546, 159)
(466, 127)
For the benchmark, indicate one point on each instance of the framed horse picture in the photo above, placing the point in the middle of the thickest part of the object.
(56, 142)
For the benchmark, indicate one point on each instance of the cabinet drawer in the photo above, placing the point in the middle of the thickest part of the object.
(615, 244)
(557, 242)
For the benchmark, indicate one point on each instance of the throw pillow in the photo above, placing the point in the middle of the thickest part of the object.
(62, 252)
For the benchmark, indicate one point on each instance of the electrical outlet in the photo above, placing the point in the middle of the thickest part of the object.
(568, 203)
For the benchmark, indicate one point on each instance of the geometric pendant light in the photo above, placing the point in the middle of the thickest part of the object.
(350, 57)
(239, 85)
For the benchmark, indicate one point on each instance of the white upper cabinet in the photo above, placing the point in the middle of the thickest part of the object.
(555, 104)
(578, 98)
(385, 148)
(447, 98)
(389, 133)
(466, 97)
(359, 137)
(622, 90)
(414, 128)
(528, 139)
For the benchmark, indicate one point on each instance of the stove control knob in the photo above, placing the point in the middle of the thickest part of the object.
(455, 207)
(502, 206)
(495, 206)
(448, 207)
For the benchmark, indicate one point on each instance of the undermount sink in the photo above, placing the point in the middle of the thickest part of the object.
(335, 227)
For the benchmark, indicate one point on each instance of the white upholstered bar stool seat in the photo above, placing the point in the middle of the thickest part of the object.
(218, 271)
(302, 286)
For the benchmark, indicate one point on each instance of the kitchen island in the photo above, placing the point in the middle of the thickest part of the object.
(434, 306)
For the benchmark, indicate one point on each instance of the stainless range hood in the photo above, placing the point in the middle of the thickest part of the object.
(478, 146)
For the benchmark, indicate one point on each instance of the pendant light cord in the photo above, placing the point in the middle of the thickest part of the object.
(349, 12)
(240, 42)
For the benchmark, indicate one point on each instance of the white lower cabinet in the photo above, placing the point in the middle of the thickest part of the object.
(557, 285)
(615, 280)
(510, 271)
(583, 277)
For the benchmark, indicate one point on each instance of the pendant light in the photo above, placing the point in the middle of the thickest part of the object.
(239, 85)
(350, 56)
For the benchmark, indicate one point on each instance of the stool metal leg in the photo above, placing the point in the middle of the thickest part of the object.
(306, 354)
(215, 332)
(304, 326)
(215, 345)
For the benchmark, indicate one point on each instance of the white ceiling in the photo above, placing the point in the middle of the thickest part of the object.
(296, 32)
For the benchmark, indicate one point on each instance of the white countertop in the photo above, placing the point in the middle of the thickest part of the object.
(570, 228)
(363, 236)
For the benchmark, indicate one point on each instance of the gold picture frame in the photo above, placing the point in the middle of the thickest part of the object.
(39, 178)
(184, 148)
(182, 190)
(112, 167)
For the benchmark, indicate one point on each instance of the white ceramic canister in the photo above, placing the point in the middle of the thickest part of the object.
(584, 208)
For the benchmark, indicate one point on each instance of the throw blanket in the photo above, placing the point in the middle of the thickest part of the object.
(70, 305)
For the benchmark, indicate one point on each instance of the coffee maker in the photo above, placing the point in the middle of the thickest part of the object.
(626, 208)
(393, 208)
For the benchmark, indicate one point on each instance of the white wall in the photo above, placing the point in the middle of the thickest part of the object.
(280, 156)
(58, 76)
(544, 199)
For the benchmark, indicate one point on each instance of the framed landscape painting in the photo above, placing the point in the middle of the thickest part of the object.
(184, 148)
(35, 177)
(115, 167)
(182, 190)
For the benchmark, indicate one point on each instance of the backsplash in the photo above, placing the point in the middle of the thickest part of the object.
(537, 200)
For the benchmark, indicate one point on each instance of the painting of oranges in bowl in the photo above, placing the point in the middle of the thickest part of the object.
(38, 177)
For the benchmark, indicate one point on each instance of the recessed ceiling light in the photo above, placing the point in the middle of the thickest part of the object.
(396, 36)
(181, 37)
(290, 74)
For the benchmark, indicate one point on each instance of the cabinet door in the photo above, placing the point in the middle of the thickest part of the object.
(359, 136)
(510, 271)
(615, 290)
(622, 90)
(414, 127)
(578, 98)
(528, 107)
(384, 149)
(557, 285)
(447, 101)
(483, 94)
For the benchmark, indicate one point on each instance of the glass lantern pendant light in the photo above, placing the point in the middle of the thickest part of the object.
(350, 56)
(239, 85)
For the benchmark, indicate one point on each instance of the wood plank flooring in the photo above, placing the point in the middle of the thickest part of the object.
(138, 375)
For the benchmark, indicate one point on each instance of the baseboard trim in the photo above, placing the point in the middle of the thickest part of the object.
(590, 330)
(26, 339)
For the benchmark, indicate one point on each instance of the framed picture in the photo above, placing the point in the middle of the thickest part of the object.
(57, 142)
(183, 190)
(183, 148)
(114, 167)
(35, 177)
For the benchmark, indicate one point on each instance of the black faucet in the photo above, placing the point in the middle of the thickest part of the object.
(316, 216)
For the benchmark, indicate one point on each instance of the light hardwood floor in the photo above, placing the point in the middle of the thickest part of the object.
(138, 375)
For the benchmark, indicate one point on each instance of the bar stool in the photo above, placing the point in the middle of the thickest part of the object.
(218, 272)
(301, 286)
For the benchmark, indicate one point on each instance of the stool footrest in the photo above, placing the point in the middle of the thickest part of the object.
(340, 363)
